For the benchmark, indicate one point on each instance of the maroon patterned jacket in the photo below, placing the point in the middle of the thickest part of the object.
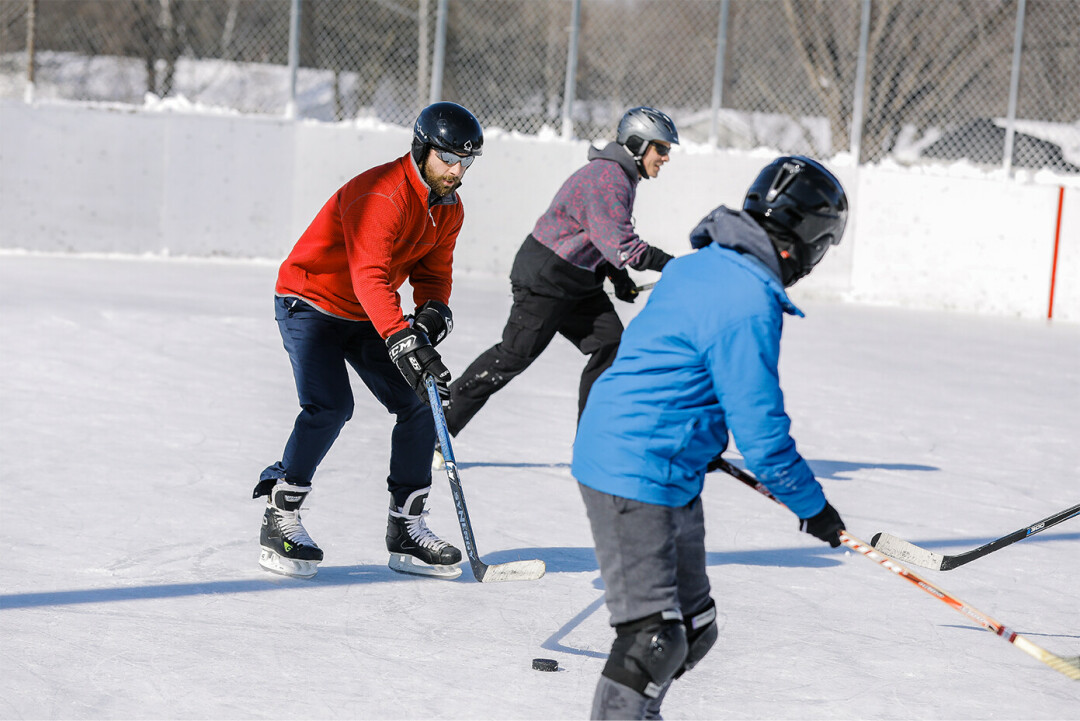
(589, 220)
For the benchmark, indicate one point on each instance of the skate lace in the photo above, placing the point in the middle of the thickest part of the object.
(419, 532)
(291, 528)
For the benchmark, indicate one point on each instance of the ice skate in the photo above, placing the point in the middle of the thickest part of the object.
(286, 547)
(413, 547)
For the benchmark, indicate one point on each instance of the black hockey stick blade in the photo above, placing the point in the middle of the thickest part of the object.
(484, 573)
(1068, 665)
(902, 550)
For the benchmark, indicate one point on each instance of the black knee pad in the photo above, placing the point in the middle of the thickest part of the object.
(701, 634)
(647, 652)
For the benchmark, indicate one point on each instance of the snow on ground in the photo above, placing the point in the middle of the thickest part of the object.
(141, 398)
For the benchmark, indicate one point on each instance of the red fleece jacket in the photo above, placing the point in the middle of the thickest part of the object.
(373, 234)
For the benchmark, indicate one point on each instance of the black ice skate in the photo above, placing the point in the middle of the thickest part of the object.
(286, 547)
(413, 547)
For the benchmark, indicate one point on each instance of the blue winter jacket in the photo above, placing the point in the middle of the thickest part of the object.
(700, 359)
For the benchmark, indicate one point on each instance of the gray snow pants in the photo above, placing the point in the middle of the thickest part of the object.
(652, 559)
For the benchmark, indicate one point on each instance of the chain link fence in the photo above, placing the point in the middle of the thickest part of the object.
(992, 82)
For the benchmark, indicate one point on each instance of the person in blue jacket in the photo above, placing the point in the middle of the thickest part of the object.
(698, 361)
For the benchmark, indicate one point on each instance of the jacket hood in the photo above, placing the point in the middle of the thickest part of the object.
(737, 230)
(619, 154)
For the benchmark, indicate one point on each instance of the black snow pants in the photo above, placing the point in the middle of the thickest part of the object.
(589, 322)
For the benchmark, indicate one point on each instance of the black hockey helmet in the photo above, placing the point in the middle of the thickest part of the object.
(803, 208)
(640, 126)
(446, 126)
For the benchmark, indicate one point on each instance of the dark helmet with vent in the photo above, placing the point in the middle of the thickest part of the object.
(803, 208)
(446, 126)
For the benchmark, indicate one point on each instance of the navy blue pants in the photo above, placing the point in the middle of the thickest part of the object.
(319, 346)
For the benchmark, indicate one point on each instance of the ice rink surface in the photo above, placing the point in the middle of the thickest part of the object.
(142, 397)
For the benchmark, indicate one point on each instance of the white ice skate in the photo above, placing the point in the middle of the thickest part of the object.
(286, 547)
(413, 547)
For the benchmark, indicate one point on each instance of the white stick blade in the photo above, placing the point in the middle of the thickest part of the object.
(1068, 665)
(901, 550)
(515, 571)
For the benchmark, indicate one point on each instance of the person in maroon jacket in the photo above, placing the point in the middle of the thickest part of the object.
(337, 304)
(557, 279)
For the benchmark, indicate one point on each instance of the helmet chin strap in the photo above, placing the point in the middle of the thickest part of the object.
(639, 158)
(420, 152)
(791, 267)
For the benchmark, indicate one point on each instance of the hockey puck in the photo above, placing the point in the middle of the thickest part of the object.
(545, 664)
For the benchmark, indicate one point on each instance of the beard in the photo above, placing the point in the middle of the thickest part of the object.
(438, 183)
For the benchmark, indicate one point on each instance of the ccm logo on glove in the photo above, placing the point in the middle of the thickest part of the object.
(411, 352)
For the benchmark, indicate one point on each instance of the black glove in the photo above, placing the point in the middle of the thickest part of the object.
(652, 259)
(435, 320)
(416, 359)
(825, 526)
(625, 287)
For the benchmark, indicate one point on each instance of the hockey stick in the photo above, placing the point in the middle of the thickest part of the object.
(638, 288)
(901, 550)
(484, 573)
(1068, 665)
(740, 475)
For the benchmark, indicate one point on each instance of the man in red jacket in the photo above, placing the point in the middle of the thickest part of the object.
(337, 303)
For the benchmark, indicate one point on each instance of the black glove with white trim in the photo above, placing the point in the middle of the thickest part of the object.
(435, 320)
(825, 526)
(414, 356)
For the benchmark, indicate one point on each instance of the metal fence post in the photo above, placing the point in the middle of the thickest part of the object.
(860, 83)
(718, 75)
(31, 12)
(1014, 88)
(423, 67)
(294, 57)
(439, 59)
(571, 72)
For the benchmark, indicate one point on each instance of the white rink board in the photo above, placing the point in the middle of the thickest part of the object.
(120, 180)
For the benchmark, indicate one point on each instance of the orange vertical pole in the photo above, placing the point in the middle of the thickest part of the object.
(1057, 244)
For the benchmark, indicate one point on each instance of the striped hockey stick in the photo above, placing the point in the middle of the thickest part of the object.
(1068, 665)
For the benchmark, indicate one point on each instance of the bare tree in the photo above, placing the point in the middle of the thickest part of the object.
(928, 63)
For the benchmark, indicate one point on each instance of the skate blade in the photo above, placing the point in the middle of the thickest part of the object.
(287, 566)
(404, 563)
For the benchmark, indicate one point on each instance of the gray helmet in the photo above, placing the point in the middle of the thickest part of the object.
(446, 126)
(639, 127)
(803, 208)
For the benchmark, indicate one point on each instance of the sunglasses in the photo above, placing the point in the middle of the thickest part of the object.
(662, 150)
(453, 158)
